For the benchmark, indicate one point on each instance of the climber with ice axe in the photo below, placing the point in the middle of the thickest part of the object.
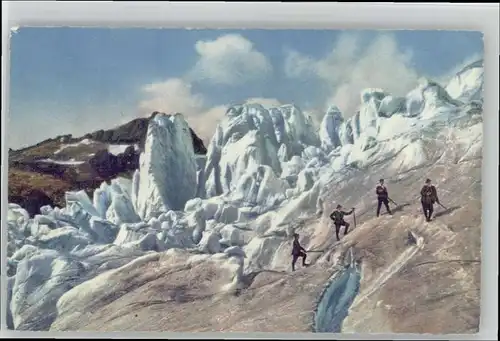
(338, 220)
(298, 252)
(428, 197)
(383, 197)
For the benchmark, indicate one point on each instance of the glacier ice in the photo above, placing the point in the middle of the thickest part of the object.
(265, 170)
(251, 136)
(210, 242)
(39, 282)
(82, 199)
(467, 85)
(232, 235)
(259, 186)
(235, 251)
(390, 106)
(334, 304)
(329, 129)
(168, 170)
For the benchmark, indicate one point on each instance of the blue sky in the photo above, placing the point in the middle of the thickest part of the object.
(76, 80)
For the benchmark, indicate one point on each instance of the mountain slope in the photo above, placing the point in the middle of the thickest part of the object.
(217, 257)
(65, 163)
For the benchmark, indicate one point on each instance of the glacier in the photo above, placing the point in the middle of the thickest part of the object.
(168, 151)
(265, 173)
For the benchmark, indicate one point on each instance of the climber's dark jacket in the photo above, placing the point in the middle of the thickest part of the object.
(382, 192)
(297, 248)
(429, 195)
(338, 216)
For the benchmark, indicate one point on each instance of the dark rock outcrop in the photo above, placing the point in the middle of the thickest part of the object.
(32, 200)
(40, 181)
(107, 165)
(135, 132)
(199, 147)
(128, 133)
(53, 169)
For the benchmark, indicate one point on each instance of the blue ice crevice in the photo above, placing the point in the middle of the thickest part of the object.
(336, 299)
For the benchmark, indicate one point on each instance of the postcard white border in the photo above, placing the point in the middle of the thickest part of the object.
(477, 17)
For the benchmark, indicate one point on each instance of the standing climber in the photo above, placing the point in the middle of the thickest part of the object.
(382, 197)
(297, 251)
(428, 198)
(338, 220)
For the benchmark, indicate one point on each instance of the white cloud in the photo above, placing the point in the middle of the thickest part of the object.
(265, 102)
(298, 65)
(170, 96)
(351, 67)
(205, 122)
(355, 64)
(176, 95)
(228, 60)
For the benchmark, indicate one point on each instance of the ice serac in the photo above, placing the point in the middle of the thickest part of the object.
(102, 200)
(244, 140)
(81, 199)
(430, 100)
(369, 121)
(260, 186)
(135, 188)
(467, 85)
(391, 105)
(329, 131)
(346, 134)
(279, 126)
(167, 174)
(121, 209)
(251, 136)
(298, 128)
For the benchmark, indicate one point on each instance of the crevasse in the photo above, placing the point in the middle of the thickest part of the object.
(336, 299)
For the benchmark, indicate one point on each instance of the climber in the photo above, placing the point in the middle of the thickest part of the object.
(338, 219)
(297, 251)
(382, 197)
(428, 198)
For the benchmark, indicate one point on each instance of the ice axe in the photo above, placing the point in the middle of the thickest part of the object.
(442, 206)
(395, 203)
(354, 216)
